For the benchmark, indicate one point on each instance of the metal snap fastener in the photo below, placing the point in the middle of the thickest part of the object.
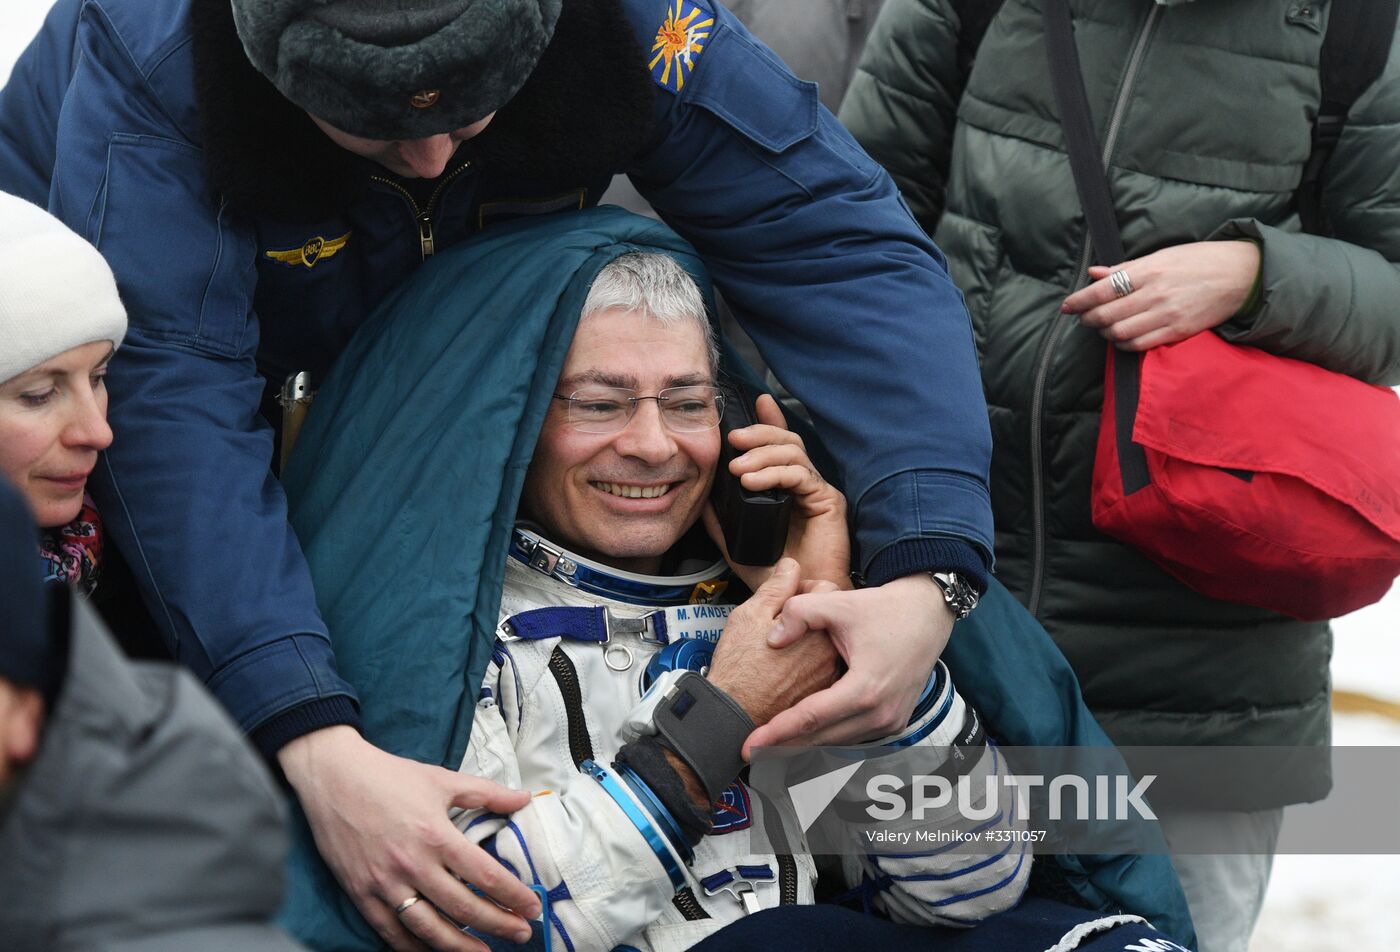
(425, 98)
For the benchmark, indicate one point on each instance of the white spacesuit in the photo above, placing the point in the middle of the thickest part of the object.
(566, 676)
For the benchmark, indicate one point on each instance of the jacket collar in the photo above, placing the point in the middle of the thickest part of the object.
(581, 117)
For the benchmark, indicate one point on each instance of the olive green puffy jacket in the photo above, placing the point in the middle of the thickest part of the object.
(1205, 110)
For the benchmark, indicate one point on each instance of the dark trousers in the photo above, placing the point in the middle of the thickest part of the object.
(1033, 926)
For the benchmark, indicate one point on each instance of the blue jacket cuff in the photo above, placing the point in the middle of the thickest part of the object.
(276, 677)
(921, 520)
(928, 555)
(276, 733)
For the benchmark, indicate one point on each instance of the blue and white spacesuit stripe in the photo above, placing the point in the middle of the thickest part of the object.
(954, 883)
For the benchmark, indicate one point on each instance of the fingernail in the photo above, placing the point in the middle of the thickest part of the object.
(524, 935)
(775, 635)
(785, 567)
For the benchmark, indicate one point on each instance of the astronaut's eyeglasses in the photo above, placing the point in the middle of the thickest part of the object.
(599, 409)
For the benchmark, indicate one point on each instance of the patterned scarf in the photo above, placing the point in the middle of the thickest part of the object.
(73, 553)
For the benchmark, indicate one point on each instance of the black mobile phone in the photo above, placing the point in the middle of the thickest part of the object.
(755, 524)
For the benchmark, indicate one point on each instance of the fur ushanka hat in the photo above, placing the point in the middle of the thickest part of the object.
(396, 70)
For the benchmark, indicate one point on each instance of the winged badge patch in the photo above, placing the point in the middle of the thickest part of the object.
(314, 250)
(678, 44)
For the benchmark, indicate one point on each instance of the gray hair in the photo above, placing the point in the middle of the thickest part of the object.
(655, 284)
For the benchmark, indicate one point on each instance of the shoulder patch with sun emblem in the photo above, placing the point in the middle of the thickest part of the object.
(679, 43)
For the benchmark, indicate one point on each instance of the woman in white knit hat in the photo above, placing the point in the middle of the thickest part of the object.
(60, 322)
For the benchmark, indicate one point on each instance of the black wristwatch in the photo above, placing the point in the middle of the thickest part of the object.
(957, 592)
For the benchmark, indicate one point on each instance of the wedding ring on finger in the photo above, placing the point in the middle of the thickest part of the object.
(408, 903)
(1122, 284)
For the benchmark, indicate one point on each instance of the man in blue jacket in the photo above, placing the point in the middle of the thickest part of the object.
(255, 212)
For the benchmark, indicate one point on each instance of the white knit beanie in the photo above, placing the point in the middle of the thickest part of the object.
(56, 290)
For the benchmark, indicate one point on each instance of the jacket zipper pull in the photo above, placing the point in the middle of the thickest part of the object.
(425, 234)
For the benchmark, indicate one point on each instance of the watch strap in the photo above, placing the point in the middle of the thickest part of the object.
(706, 728)
(957, 591)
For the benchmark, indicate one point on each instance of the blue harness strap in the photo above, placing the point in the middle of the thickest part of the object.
(588, 624)
(573, 623)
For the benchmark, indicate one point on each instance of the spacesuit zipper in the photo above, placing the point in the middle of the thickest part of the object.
(581, 749)
(787, 879)
(566, 676)
(427, 244)
(688, 905)
(1062, 322)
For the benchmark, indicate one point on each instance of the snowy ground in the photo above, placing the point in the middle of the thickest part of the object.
(1345, 903)
(1316, 903)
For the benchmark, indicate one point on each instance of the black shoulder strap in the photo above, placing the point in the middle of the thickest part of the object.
(1067, 83)
(1354, 51)
(974, 16)
(1091, 181)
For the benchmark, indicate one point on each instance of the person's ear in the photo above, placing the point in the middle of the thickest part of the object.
(21, 722)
